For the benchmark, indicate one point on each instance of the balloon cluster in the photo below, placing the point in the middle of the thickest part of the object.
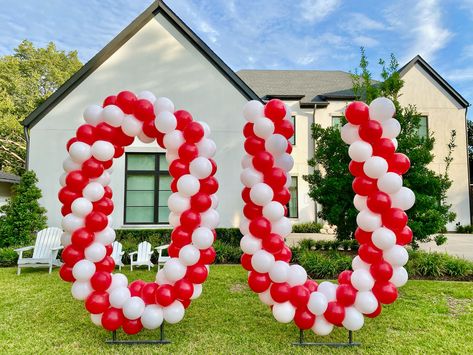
(382, 223)
(87, 206)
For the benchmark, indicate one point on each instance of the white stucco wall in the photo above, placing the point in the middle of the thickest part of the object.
(158, 58)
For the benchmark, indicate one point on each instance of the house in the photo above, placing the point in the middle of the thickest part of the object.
(6, 183)
(158, 52)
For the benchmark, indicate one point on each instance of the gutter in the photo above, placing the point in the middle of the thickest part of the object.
(27, 138)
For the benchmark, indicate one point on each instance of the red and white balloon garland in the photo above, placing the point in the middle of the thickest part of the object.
(382, 223)
(87, 205)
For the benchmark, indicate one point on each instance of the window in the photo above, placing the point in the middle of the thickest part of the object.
(337, 121)
(292, 206)
(292, 140)
(147, 188)
(423, 130)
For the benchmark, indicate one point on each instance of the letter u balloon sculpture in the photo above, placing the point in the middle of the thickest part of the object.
(382, 230)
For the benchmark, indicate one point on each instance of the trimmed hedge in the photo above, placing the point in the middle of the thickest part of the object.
(8, 257)
(311, 227)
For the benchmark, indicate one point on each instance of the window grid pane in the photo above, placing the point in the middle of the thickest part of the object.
(292, 206)
(141, 162)
(423, 127)
(336, 121)
(292, 140)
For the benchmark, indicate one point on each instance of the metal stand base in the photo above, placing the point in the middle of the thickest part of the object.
(350, 342)
(132, 342)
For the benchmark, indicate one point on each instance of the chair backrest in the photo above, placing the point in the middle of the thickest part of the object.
(144, 251)
(45, 240)
(117, 250)
(161, 248)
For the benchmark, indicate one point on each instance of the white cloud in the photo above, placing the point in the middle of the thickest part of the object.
(460, 75)
(361, 22)
(317, 10)
(365, 41)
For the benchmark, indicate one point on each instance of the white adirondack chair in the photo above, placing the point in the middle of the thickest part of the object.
(161, 258)
(117, 254)
(47, 245)
(142, 256)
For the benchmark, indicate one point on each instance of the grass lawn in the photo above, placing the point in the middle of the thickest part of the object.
(38, 315)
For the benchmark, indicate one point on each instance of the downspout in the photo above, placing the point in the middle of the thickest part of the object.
(311, 155)
(468, 162)
(27, 138)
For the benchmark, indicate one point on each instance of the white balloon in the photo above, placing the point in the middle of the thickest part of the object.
(261, 194)
(246, 161)
(390, 183)
(65, 239)
(322, 326)
(383, 238)
(113, 115)
(81, 207)
(209, 219)
(357, 263)
(279, 271)
(391, 128)
(92, 114)
(381, 109)
(368, 221)
(249, 244)
(188, 185)
(95, 252)
(276, 144)
(161, 278)
(118, 280)
(174, 270)
(174, 312)
(366, 302)
(266, 298)
(119, 296)
(206, 147)
(281, 227)
(263, 127)
(214, 199)
(317, 303)
(70, 165)
(80, 152)
(152, 317)
(62, 179)
(250, 177)
(362, 280)
(93, 191)
(200, 167)
(83, 270)
(103, 150)
(403, 199)
(147, 95)
(349, 133)
(173, 140)
(360, 202)
(284, 161)
(189, 255)
(70, 223)
(328, 289)
(252, 110)
(244, 226)
(96, 319)
(262, 261)
(202, 238)
(178, 203)
(206, 128)
(105, 236)
(81, 290)
(131, 126)
(399, 277)
(396, 256)
(360, 151)
(197, 291)
(163, 104)
(297, 275)
(273, 211)
(395, 142)
(144, 138)
(284, 312)
(171, 156)
(375, 167)
(133, 308)
(353, 320)
(103, 179)
(165, 122)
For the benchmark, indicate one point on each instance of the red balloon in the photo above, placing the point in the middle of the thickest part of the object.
(101, 280)
(188, 152)
(362, 237)
(258, 282)
(385, 292)
(144, 110)
(120, 138)
(92, 168)
(76, 180)
(108, 249)
(183, 289)
(104, 205)
(214, 166)
(97, 302)
(364, 186)
(369, 253)
(66, 273)
(110, 100)
(86, 134)
(356, 168)
(283, 196)
(253, 145)
(173, 250)
(245, 261)
(346, 294)
(250, 210)
(193, 132)
(280, 292)
(183, 119)
(148, 292)
(344, 278)
(135, 287)
(106, 264)
(126, 101)
(299, 296)
(303, 318)
(381, 271)
(160, 139)
(190, 219)
(181, 237)
(370, 131)
(70, 142)
(248, 130)
(105, 132)
(149, 128)
(67, 196)
(72, 254)
(375, 313)
(65, 210)
(335, 313)
(394, 219)
(207, 256)
(378, 202)
(399, 163)
(311, 285)
(260, 227)
(273, 243)
(404, 236)
(132, 326)
(186, 303)
(276, 177)
(165, 295)
(289, 148)
(209, 185)
(384, 148)
(263, 161)
(112, 319)
(82, 238)
(275, 110)
(201, 202)
(284, 255)
(107, 164)
(197, 274)
(357, 113)
(96, 221)
(108, 191)
(178, 168)
(245, 194)
(284, 128)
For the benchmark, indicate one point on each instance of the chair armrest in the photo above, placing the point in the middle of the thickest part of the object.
(162, 247)
(57, 248)
(122, 253)
(132, 253)
(24, 249)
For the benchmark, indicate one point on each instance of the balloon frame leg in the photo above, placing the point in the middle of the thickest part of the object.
(161, 340)
(350, 342)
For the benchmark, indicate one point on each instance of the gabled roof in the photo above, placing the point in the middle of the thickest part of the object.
(6, 177)
(155, 8)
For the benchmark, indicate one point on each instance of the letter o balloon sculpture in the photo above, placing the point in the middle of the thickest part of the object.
(87, 205)
(382, 230)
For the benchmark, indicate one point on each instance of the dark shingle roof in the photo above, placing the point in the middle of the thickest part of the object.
(6, 177)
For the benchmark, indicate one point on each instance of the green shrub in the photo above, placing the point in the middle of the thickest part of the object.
(324, 265)
(227, 253)
(311, 227)
(8, 257)
(438, 265)
(464, 229)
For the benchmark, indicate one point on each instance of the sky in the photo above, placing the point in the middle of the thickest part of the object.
(277, 34)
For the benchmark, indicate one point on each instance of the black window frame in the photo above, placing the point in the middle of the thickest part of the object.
(157, 173)
(293, 138)
(426, 126)
(296, 187)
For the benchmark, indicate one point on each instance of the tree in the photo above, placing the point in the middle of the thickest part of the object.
(22, 215)
(27, 78)
(330, 183)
